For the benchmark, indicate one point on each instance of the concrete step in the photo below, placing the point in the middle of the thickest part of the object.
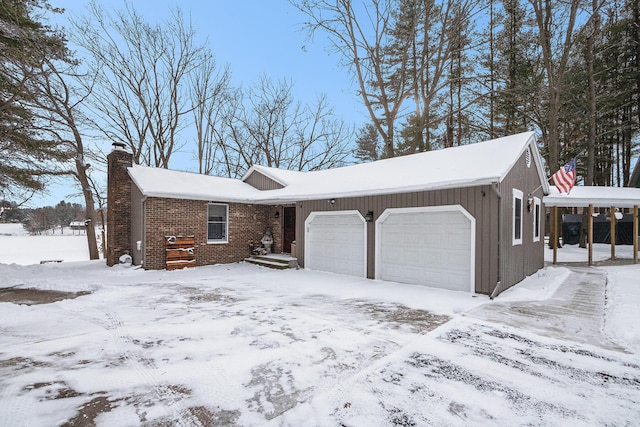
(280, 261)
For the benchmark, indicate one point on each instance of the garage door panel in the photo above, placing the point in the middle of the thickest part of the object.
(459, 220)
(394, 257)
(434, 259)
(335, 242)
(432, 240)
(428, 246)
(457, 242)
(457, 265)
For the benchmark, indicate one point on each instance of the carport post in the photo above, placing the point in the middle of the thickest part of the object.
(555, 234)
(590, 234)
(635, 234)
(612, 217)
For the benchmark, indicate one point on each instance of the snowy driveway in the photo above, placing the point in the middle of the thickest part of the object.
(240, 345)
(576, 311)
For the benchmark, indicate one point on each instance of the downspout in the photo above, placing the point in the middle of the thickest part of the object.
(143, 238)
(494, 187)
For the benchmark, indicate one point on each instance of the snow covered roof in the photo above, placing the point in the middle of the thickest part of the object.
(469, 165)
(600, 197)
(158, 182)
(281, 176)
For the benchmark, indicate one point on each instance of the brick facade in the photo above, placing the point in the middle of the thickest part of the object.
(118, 205)
(173, 217)
(275, 225)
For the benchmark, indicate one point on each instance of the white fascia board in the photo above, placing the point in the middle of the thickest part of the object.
(575, 202)
(602, 197)
(532, 144)
(407, 189)
(537, 158)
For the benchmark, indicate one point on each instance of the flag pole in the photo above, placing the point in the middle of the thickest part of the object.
(548, 179)
(551, 177)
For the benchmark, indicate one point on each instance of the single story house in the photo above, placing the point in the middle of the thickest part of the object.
(466, 218)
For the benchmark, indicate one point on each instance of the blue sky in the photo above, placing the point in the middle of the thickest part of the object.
(255, 37)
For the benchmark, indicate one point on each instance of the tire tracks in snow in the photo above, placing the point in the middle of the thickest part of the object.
(147, 370)
(13, 408)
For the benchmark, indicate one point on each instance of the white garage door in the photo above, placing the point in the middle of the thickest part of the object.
(336, 242)
(431, 246)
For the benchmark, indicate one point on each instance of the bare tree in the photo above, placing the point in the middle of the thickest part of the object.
(100, 194)
(57, 105)
(359, 35)
(265, 125)
(145, 72)
(270, 118)
(399, 50)
(321, 140)
(211, 95)
(558, 30)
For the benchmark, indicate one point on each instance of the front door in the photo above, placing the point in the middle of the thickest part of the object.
(289, 232)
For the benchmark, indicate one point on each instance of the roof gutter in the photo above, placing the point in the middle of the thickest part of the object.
(494, 187)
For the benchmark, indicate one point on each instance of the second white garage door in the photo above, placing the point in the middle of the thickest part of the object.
(336, 242)
(431, 246)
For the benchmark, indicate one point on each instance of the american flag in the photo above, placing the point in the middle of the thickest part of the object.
(565, 177)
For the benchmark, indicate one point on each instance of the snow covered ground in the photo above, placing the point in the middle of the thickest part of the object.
(238, 344)
(601, 252)
(17, 246)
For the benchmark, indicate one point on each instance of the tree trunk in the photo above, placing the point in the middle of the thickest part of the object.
(636, 41)
(591, 139)
(554, 133)
(556, 35)
(492, 77)
(90, 209)
(583, 228)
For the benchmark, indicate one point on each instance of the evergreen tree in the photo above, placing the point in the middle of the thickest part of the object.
(64, 214)
(24, 43)
(617, 81)
(518, 74)
(11, 212)
(599, 119)
(413, 138)
(457, 120)
(40, 220)
(368, 144)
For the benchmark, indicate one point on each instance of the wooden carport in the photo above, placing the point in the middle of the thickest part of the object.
(594, 197)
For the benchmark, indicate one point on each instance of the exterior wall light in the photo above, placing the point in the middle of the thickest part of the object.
(369, 216)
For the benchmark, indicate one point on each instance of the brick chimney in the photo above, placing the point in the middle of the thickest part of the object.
(118, 204)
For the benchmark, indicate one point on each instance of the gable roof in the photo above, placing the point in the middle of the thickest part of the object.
(464, 166)
(469, 165)
(281, 176)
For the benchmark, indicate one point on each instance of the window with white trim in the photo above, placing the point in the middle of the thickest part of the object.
(217, 223)
(536, 219)
(517, 217)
